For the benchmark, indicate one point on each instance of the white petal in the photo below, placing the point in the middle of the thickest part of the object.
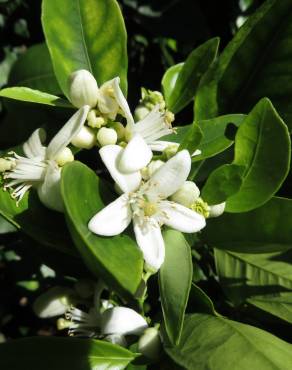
(169, 177)
(113, 219)
(49, 191)
(110, 155)
(135, 156)
(160, 146)
(151, 243)
(33, 146)
(67, 132)
(217, 209)
(181, 218)
(123, 321)
(122, 102)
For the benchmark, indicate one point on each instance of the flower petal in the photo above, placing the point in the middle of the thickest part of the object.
(160, 146)
(150, 241)
(110, 155)
(135, 156)
(33, 146)
(113, 219)
(49, 191)
(181, 218)
(169, 177)
(122, 102)
(217, 209)
(123, 321)
(67, 132)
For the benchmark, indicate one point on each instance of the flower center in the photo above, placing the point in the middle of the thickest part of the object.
(150, 209)
(201, 207)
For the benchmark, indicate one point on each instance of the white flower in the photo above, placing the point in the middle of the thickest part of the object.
(39, 167)
(147, 205)
(83, 89)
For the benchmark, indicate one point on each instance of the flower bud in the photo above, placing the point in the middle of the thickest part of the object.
(85, 139)
(5, 165)
(65, 156)
(119, 128)
(83, 89)
(149, 343)
(107, 136)
(53, 303)
(94, 120)
(217, 210)
(141, 112)
(187, 194)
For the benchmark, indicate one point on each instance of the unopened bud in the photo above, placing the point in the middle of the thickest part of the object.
(187, 194)
(65, 156)
(141, 112)
(119, 128)
(85, 139)
(149, 343)
(94, 120)
(5, 165)
(53, 303)
(83, 89)
(171, 150)
(153, 166)
(107, 136)
(217, 210)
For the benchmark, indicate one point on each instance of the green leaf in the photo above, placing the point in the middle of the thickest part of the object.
(279, 305)
(175, 279)
(188, 77)
(255, 64)
(214, 140)
(199, 302)
(191, 139)
(243, 275)
(215, 343)
(117, 259)
(263, 230)
(49, 353)
(222, 183)
(5, 226)
(92, 37)
(262, 146)
(39, 77)
(40, 223)
(34, 96)
(169, 79)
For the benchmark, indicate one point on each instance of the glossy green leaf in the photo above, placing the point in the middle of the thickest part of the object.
(49, 353)
(34, 69)
(222, 183)
(34, 219)
(255, 64)
(216, 343)
(199, 301)
(279, 305)
(263, 230)
(243, 275)
(191, 138)
(34, 96)
(262, 146)
(214, 140)
(188, 78)
(92, 37)
(169, 79)
(117, 259)
(175, 279)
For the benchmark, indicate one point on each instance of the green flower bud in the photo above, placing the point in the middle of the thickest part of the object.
(53, 303)
(65, 156)
(83, 89)
(119, 128)
(141, 112)
(149, 343)
(85, 139)
(107, 136)
(187, 194)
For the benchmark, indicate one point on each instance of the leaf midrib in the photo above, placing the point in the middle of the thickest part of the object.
(83, 38)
